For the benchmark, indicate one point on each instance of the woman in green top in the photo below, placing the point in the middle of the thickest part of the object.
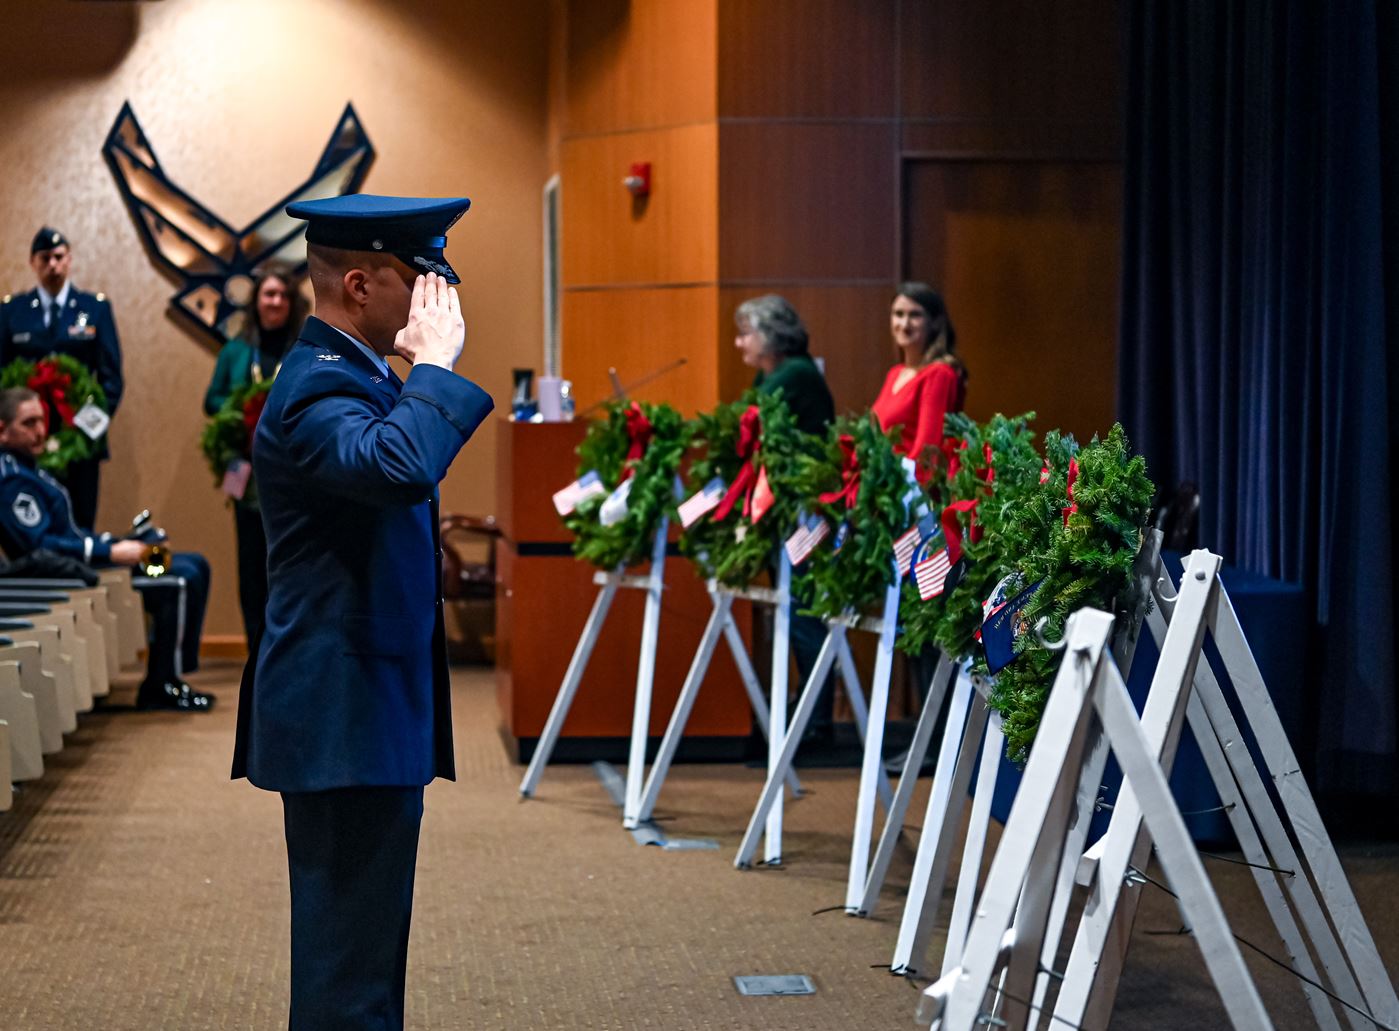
(270, 327)
(771, 338)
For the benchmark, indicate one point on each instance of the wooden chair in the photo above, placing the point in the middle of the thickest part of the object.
(46, 675)
(19, 709)
(61, 656)
(7, 791)
(468, 585)
(89, 635)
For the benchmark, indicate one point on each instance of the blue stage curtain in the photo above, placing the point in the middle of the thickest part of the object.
(1254, 358)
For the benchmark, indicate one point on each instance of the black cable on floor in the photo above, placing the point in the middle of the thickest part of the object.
(1273, 959)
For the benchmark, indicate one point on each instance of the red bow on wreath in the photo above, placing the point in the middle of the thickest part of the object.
(988, 474)
(52, 387)
(849, 476)
(750, 435)
(952, 449)
(1073, 505)
(639, 430)
(952, 529)
(252, 412)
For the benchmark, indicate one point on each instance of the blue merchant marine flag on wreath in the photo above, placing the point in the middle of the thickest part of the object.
(1003, 627)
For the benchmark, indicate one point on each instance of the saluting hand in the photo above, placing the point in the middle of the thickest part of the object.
(435, 332)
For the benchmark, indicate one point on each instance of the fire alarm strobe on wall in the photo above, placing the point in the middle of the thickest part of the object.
(638, 180)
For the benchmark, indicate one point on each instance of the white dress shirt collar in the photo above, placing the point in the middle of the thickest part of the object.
(46, 299)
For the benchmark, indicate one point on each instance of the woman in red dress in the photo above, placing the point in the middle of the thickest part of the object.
(928, 383)
(917, 394)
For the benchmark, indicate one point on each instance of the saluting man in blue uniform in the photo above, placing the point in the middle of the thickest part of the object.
(345, 707)
(58, 318)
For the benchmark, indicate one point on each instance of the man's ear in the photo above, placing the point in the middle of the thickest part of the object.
(356, 284)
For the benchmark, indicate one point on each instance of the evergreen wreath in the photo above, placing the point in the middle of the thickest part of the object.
(994, 464)
(228, 435)
(856, 480)
(1079, 541)
(65, 385)
(736, 550)
(636, 440)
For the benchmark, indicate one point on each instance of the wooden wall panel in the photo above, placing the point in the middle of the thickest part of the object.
(849, 330)
(1023, 139)
(1010, 63)
(541, 606)
(636, 64)
(638, 331)
(1027, 256)
(807, 58)
(803, 201)
(609, 237)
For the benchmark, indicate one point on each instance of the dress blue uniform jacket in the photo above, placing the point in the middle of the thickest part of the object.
(35, 512)
(85, 329)
(348, 687)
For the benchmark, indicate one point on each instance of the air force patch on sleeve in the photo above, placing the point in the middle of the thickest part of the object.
(27, 510)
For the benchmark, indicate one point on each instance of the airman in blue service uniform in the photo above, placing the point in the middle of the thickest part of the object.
(345, 707)
(57, 317)
(35, 512)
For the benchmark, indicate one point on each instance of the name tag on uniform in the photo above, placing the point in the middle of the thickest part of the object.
(92, 420)
(22, 338)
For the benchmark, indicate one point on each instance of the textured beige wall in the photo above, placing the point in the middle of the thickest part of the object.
(238, 97)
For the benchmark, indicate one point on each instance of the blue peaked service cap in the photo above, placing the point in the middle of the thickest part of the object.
(413, 229)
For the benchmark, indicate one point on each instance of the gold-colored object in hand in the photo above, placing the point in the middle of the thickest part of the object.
(155, 560)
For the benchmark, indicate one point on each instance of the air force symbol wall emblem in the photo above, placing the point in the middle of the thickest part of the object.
(26, 510)
(212, 261)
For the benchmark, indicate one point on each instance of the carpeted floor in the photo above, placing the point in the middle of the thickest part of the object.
(141, 889)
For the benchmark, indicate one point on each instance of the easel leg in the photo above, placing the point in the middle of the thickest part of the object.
(749, 678)
(1303, 814)
(966, 720)
(970, 873)
(645, 677)
(777, 732)
(689, 691)
(872, 773)
(903, 794)
(1294, 944)
(806, 705)
(855, 694)
(1176, 852)
(572, 678)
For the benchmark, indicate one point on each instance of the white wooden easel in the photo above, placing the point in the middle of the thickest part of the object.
(972, 725)
(873, 782)
(653, 584)
(1350, 964)
(1019, 887)
(721, 621)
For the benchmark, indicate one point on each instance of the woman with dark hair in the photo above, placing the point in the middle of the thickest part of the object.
(270, 326)
(928, 382)
(919, 391)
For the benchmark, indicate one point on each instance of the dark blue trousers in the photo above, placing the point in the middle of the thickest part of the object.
(176, 604)
(352, 853)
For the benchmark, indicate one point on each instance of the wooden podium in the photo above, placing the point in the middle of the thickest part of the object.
(543, 596)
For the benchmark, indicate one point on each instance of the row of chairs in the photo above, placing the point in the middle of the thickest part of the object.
(62, 644)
